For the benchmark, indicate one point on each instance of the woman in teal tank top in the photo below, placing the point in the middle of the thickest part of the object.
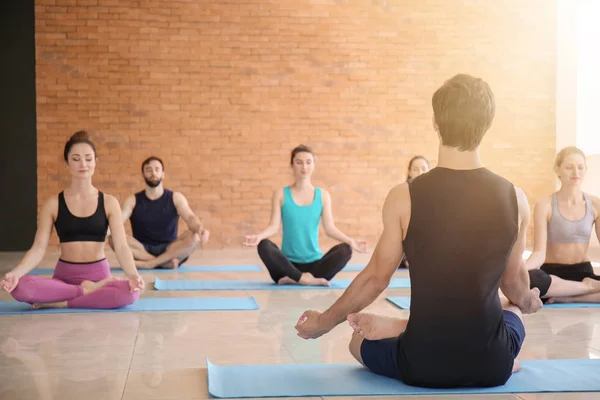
(300, 208)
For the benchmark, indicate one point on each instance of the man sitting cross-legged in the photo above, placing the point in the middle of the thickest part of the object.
(154, 215)
(463, 229)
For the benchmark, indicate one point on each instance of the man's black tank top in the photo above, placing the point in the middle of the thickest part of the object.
(463, 225)
(154, 222)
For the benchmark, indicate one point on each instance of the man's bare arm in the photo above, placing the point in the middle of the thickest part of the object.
(375, 278)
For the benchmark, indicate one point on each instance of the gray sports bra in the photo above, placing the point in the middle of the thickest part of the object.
(562, 230)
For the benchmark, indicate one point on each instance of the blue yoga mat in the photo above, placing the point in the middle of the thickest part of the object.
(296, 380)
(404, 303)
(197, 268)
(256, 285)
(354, 267)
(150, 304)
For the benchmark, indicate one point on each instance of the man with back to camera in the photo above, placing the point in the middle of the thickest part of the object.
(464, 231)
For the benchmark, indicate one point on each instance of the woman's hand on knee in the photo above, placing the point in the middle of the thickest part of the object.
(251, 240)
(136, 283)
(358, 245)
(10, 282)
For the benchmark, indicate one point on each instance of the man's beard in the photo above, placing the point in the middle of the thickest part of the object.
(153, 184)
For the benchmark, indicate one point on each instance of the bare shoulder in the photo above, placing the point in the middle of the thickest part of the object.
(544, 204)
(50, 206)
(110, 201)
(400, 191)
(178, 196)
(130, 200)
(51, 202)
(524, 213)
(595, 204)
(396, 209)
(278, 195)
(594, 199)
(325, 195)
(543, 209)
(399, 198)
(521, 198)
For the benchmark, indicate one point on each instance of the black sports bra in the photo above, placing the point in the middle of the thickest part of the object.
(81, 229)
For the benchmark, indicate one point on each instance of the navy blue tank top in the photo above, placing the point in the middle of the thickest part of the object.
(154, 221)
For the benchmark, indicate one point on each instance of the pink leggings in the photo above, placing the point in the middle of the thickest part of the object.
(64, 286)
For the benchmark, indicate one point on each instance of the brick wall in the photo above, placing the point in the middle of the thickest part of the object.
(222, 91)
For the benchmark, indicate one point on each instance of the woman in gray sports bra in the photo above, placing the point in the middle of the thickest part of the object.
(559, 265)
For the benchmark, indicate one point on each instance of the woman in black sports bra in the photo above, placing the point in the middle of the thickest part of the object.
(81, 215)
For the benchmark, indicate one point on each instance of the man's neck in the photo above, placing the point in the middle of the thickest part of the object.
(452, 158)
(154, 193)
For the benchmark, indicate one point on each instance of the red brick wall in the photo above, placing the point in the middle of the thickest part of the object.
(222, 91)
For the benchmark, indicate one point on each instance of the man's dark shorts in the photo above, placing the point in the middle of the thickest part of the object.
(158, 249)
(381, 356)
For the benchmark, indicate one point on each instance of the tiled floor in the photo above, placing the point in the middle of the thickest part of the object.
(162, 355)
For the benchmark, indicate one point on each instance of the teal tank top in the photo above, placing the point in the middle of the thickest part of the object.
(300, 242)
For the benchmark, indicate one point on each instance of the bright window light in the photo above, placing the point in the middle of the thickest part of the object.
(588, 77)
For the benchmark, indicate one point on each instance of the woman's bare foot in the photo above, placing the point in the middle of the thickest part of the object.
(286, 280)
(376, 327)
(89, 286)
(173, 264)
(307, 279)
(592, 285)
(58, 304)
(516, 365)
